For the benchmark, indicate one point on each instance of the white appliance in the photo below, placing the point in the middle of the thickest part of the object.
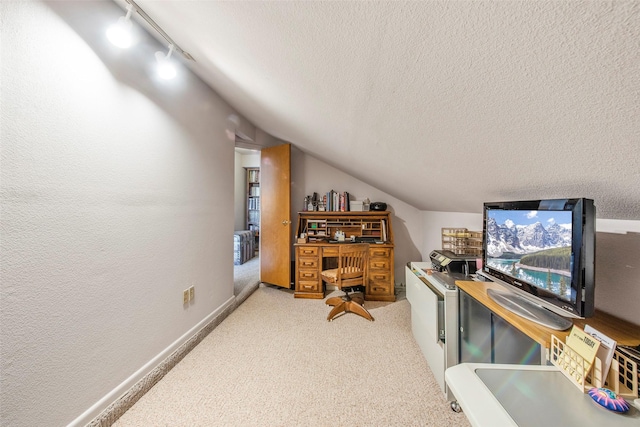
(434, 318)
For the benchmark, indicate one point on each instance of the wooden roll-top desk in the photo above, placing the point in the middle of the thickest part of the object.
(320, 247)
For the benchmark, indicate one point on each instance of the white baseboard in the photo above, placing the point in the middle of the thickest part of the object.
(127, 384)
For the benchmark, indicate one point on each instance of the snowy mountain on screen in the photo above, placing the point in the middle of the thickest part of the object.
(525, 239)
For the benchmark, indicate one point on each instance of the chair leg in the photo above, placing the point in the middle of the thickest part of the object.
(349, 307)
(358, 297)
(337, 310)
(352, 307)
(334, 301)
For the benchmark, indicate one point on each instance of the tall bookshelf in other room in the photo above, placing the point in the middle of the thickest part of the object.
(253, 200)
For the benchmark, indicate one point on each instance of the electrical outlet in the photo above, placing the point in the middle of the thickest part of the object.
(192, 292)
(185, 296)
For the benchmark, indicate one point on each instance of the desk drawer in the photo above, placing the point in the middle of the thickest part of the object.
(307, 274)
(378, 264)
(307, 263)
(308, 251)
(379, 276)
(308, 286)
(329, 252)
(379, 252)
(377, 288)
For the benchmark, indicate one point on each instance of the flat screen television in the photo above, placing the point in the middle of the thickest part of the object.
(543, 252)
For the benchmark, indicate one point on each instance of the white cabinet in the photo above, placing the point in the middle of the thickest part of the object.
(433, 319)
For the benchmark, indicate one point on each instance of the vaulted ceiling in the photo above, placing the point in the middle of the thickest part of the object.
(441, 104)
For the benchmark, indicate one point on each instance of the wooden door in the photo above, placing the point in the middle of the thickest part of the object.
(275, 215)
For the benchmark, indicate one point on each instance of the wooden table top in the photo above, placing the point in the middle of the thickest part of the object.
(623, 332)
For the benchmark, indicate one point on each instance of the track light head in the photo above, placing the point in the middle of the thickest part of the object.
(120, 33)
(166, 67)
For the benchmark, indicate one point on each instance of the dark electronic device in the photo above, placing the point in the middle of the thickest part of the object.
(542, 251)
(378, 206)
(448, 262)
(365, 239)
(450, 267)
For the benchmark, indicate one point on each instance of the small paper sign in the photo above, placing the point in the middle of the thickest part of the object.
(583, 344)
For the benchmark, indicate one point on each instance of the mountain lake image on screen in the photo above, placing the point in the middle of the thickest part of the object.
(533, 247)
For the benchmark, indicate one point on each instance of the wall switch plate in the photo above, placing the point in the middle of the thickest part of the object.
(192, 292)
(185, 296)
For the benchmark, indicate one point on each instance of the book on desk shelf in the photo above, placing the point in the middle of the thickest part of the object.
(383, 226)
(337, 202)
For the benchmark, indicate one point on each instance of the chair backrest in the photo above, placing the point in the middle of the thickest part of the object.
(353, 259)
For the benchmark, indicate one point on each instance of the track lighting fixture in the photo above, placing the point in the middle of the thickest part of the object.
(120, 33)
(166, 68)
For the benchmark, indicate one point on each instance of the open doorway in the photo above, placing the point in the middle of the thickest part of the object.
(246, 268)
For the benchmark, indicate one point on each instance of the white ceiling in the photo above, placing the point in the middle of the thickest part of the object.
(442, 104)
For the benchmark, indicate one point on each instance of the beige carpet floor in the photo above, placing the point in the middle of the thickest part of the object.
(246, 275)
(276, 361)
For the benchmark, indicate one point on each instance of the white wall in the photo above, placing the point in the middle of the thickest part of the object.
(618, 268)
(434, 222)
(116, 192)
(312, 175)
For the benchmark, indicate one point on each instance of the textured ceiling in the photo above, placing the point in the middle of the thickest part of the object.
(444, 105)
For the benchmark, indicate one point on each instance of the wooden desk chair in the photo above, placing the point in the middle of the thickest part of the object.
(353, 259)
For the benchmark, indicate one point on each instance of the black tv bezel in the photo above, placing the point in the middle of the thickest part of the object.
(583, 252)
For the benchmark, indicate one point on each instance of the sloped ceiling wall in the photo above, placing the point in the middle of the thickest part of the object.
(443, 105)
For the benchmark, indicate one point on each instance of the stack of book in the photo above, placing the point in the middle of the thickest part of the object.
(254, 175)
(334, 201)
(253, 204)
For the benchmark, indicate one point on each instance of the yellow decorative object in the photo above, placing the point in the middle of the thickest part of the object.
(586, 375)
